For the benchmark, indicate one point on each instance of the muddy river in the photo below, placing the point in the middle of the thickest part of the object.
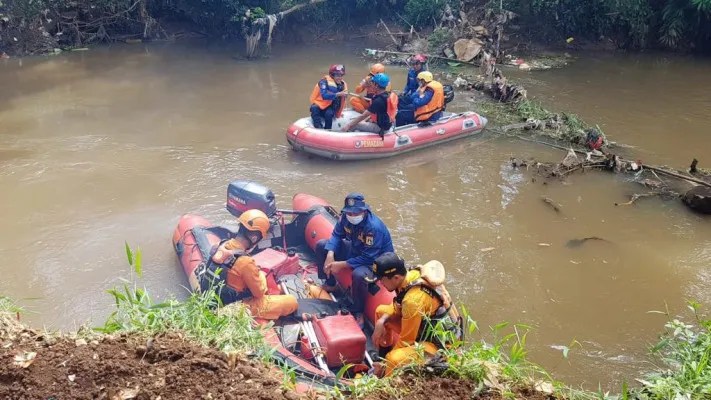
(113, 144)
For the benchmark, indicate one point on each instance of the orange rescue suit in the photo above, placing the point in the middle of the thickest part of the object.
(366, 85)
(435, 105)
(322, 103)
(406, 320)
(244, 274)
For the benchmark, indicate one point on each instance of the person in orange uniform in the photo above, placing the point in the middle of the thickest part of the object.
(244, 280)
(368, 87)
(429, 98)
(328, 97)
(405, 315)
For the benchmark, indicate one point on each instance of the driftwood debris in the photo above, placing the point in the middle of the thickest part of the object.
(636, 197)
(555, 206)
(697, 198)
(580, 242)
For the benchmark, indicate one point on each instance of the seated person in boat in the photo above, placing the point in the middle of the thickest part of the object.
(419, 294)
(418, 66)
(328, 97)
(244, 281)
(357, 240)
(368, 88)
(382, 108)
(428, 102)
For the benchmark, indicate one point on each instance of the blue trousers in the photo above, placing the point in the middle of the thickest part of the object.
(359, 288)
(322, 119)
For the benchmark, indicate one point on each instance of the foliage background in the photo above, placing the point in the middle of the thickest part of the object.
(28, 26)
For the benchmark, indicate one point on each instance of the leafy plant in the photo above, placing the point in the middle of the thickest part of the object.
(196, 316)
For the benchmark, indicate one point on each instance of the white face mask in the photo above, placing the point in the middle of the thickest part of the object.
(355, 220)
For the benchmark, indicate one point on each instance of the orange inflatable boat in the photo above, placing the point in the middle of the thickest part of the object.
(321, 336)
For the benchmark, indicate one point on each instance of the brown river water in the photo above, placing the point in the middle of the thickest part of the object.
(113, 144)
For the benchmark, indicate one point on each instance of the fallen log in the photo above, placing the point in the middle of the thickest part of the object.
(402, 53)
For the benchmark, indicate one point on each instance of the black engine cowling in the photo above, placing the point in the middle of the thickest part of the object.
(248, 195)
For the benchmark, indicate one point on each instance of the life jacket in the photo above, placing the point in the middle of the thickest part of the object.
(322, 103)
(211, 274)
(431, 281)
(435, 105)
(392, 108)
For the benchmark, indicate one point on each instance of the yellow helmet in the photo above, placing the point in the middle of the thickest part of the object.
(376, 69)
(255, 221)
(425, 76)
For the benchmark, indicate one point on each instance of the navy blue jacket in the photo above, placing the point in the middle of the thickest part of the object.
(369, 239)
(411, 86)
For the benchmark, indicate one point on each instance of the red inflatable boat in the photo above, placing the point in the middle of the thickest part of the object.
(321, 337)
(365, 143)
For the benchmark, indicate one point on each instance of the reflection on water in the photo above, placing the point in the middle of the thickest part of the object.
(112, 145)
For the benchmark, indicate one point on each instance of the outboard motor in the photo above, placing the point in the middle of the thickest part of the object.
(249, 195)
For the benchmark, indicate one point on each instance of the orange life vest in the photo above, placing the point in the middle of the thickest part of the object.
(392, 108)
(322, 103)
(435, 105)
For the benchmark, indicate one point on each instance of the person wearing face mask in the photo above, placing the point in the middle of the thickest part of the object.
(357, 240)
(244, 281)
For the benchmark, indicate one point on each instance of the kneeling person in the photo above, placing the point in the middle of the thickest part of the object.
(244, 281)
(383, 106)
(419, 294)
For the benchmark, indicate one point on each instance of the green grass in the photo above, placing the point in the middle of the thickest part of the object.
(496, 358)
(196, 317)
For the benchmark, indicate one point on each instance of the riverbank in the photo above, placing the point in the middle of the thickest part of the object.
(184, 350)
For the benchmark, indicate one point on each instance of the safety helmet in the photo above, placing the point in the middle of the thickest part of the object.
(425, 76)
(381, 80)
(419, 58)
(377, 69)
(337, 69)
(255, 221)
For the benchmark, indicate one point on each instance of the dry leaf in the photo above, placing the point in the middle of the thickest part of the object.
(545, 387)
(25, 359)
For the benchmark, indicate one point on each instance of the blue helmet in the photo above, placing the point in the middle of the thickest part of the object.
(381, 80)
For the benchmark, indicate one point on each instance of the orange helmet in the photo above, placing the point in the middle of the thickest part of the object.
(255, 221)
(376, 69)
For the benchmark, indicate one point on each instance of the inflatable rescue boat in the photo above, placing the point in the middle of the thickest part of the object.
(365, 143)
(321, 337)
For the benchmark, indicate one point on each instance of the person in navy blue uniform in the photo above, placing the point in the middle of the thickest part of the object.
(357, 240)
(419, 65)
